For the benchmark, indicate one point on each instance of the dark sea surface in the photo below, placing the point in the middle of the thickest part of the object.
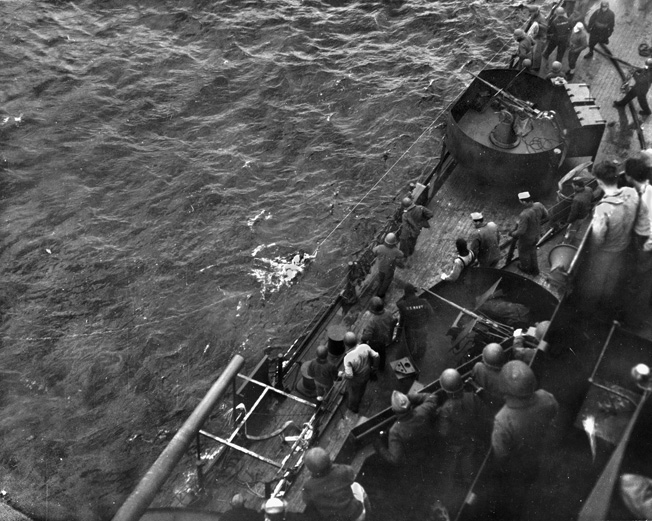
(160, 162)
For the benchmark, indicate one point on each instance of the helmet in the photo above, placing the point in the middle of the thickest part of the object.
(519, 33)
(556, 66)
(237, 501)
(274, 505)
(407, 201)
(376, 304)
(527, 63)
(322, 351)
(517, 379)
(492, 355)
(451, 381)
(560, 11)
(648, 62)
(317, 460)
(350, 339)
(541, 329)
(390, 238)
(400, 402)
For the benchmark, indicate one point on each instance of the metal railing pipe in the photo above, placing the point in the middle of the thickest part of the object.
(143, 495)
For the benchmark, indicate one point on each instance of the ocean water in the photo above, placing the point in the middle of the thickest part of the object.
(162, 164)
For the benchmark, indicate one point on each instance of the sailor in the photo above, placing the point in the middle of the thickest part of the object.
(556, 76)
(577, 43)
(527, 233)
(378, 329)
(359, 362)
(323, 371)
(414, 219)
(601, 25)
(332, 490)
(238, 511)
(559, 32)
(464, 259)
(413, 434)
(415, 315)
(519, 434)
(525, 49)
(642, 81)
(538, 31)
(522, 339)
(486, 375)
(637, 309)
(485, 241)
(460, 424)
(275, 509)
(615, 217)
(389, 257)
(582, 201)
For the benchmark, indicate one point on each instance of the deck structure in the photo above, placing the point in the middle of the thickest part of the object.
(459, 195)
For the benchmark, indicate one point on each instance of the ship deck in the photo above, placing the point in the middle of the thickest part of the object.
(452, 204)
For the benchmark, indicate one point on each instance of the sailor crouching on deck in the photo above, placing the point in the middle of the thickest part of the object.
(527, 233)
(332, 490)
(519, 434)
(359, 362)
(464, 259)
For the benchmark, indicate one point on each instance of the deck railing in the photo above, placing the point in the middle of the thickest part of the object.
(143, 495)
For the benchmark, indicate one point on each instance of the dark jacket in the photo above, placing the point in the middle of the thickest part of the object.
(581, 204)
(485, 242)
(331, 494)
(323, 371)
(413, 432)
(521, 427)
(389, 257)
(415, 312)
(528, 230)
(378, 329)
(460, 420)
(414, 219)
(642, 81)
(601, 24)
(560, 29)
(489, 379)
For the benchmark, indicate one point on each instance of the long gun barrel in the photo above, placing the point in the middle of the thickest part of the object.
(524, 105)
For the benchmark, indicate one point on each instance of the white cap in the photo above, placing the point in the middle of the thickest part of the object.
(476, 216)
(400, 402)
(578, 27)
(274, 505)
(524, 195)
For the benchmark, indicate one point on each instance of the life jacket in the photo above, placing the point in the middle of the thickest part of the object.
(467, 260)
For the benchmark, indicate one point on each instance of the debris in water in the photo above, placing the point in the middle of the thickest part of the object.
(589, 427)
(273, 273)
(262, 215)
